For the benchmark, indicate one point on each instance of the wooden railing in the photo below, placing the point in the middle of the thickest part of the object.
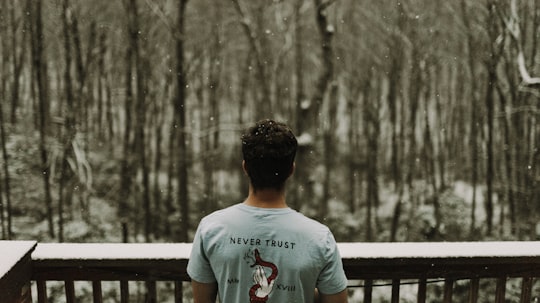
(15, 271)
(459, 272)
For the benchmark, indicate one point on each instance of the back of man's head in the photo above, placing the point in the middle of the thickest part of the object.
(269, 148)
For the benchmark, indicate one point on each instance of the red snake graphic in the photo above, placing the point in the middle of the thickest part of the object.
(252, 291)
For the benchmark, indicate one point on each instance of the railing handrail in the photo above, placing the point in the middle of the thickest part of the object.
(348, 250)
(151, 262)
(16, 270)
(166, 261)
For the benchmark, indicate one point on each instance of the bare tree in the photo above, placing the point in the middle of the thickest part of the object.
(525, 94)
(371, 129)
(180, 118)
(395, 78)
(300, 94)
(513, 27)
(260, 60)
(69, 124)
(495, 51)
(307, 115)
(3, 84)
(126, 165)
(471, 46)
(42, 85)
(5, 210)
(18, 51)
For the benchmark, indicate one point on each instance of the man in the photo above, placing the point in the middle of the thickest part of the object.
(261, 250)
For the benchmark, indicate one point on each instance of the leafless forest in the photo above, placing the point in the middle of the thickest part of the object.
(417, 119)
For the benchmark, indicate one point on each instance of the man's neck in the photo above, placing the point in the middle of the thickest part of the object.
(266, 198)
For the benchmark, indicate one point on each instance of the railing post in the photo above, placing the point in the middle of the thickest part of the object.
(16, 271)
(151, 291)
(96, 292)
(473, 290)
(448, 290)
(500, 290)
(124, 291)
(422, 289)
(368, 290)
(178, 292)
(526, 288)
(41, 291)
(395, 290)
(70, 291)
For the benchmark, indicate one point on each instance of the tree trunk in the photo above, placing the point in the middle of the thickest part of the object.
(180, 110)
(242, 96)
(265, 109)
(126, 165)
(371, 127)
(160, 214)
(3, 92)
(207, 154)
(101, 93)
(429, 155)
(80, 72)
(68, 135)
(213, 118)
(396, 69)
(41, 77)
(442, 124)
(353, 157)
(17, 60)
(491, 66)
(169, 205)
(5, 212)
(473, 112)
(329, 150)
(300, 176)
(140, 113)
(396, 62)
(308, 115)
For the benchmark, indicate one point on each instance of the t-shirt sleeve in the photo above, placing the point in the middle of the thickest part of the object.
(332, 279)
(198, 267)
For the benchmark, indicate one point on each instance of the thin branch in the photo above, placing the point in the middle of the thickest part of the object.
(512, 25)
(325, 4)
(161, 14)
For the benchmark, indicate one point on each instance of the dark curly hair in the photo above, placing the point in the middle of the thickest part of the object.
(269, 148)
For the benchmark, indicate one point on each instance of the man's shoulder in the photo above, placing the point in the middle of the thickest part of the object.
(220, 215)
(310, 228)
(309, 222)
(215, 213)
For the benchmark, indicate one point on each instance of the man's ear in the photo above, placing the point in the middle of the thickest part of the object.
(244, 167)
(293, 168)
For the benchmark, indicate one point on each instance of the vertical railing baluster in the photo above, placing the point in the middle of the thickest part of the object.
(368, 290)
(124, 291)
(41, 286)
(422, 286)
(151, 292)
(96, 292)
(70, 291)
(473, 290)
(178, 292)
(500, 291)
(526, 288)
(395, 290)
(448, 290)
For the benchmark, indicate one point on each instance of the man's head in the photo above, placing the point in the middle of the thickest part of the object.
(269, 148)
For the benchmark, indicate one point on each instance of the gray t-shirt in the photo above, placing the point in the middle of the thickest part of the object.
(265, 255)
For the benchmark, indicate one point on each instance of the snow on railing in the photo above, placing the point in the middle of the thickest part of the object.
(399, 270)
(15, 271)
